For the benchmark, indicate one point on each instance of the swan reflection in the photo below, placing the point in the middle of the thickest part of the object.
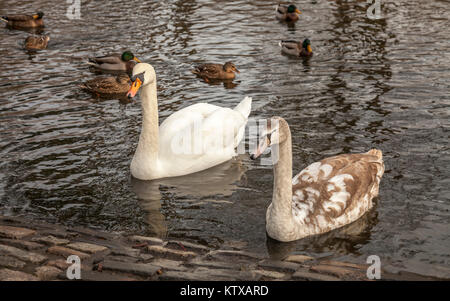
(202, 187)
(341, 241)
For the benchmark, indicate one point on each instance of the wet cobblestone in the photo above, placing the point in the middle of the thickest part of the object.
(38, 251)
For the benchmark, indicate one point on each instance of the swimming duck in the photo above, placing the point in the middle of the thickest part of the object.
(296, 48)
(110, 85)
(288, 13)
(36, 43)
(216, 71)
(124, 62)
(169, 149)
(24, 21)
(324, 196)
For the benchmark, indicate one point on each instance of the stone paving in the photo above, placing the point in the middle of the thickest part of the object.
(38, 251)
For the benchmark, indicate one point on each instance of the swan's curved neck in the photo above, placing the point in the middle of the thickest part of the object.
(282, 188)
(148, 145)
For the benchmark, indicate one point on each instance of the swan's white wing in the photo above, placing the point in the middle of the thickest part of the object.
(198, 137)
(222, 130)
(210, 122)
(182, 120)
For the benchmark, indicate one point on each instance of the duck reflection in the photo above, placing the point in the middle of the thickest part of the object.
(338, 242)
(227, 83)
(34, 30)
(218, 180)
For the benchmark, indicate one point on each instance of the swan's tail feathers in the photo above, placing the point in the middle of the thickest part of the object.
(376, 152)
(244, 107)
(4, 19)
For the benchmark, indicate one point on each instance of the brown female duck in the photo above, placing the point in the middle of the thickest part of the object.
(216, 71)
(108, 86)
(36, 43)
(24, 21)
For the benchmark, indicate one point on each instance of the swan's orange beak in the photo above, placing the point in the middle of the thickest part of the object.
(134, 88)
(262, 146)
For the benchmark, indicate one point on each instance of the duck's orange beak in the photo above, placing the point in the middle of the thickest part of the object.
(297, 11)
(136, 60)
(309, 48)
(134, 88)
(235, 69)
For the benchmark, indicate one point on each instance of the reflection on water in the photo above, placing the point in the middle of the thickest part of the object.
(37, 30)
(338, 242)
(192, 188)
(227, 84)
(371, 83)
(149, 198)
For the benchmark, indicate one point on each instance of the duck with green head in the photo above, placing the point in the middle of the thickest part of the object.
(115, 62)
(302, 49)
(287, 13)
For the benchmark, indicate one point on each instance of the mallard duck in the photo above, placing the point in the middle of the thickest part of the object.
(288, 13)
(297, 48)
(325, 195)
(110, 85)
(124, 62)
(36, 43)
(24, 21)
(216, 71)
(169, 149)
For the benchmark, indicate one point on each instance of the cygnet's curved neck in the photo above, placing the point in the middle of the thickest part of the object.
(282, 188)
(148, 145)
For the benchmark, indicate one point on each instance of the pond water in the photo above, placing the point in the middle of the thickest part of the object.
(371, 83)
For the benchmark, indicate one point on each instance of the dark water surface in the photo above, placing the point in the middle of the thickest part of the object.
(371, 83)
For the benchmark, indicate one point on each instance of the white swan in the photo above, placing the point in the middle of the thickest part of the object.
(324, 196)
(190, 140)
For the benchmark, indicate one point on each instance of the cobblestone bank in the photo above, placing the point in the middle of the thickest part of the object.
(38, 251)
